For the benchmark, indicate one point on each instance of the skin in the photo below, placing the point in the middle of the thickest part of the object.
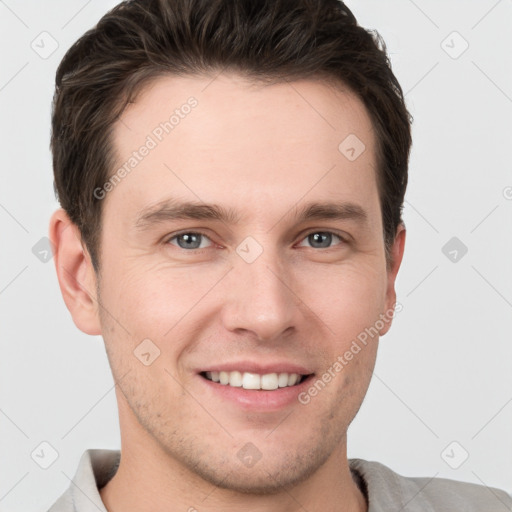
(262, 151)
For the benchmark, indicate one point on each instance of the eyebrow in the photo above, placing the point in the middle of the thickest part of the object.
(174, 209)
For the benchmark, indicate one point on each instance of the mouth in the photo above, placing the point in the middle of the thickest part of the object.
(255, 381)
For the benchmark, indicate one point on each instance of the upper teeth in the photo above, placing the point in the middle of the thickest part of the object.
(248, 380)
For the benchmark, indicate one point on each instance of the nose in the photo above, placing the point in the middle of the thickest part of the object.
(260, 298)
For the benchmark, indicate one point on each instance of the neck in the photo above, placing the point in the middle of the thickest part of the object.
(149, 478)
(147, 481)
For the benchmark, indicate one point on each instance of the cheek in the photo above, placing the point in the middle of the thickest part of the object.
(153, 295)
(347, 299)
(154, 302)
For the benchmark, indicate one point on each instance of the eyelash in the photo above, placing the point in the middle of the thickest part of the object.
(343, 240)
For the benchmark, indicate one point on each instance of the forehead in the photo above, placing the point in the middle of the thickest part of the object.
(258, 149)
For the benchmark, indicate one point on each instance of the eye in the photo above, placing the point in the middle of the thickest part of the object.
(189, 240)
(322, 239)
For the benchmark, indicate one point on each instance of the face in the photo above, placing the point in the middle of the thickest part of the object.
(262, 282)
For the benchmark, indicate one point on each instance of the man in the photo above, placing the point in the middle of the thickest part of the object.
(232, 175)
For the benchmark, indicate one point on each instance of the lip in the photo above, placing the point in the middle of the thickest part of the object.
(258, 401)
(255, 367)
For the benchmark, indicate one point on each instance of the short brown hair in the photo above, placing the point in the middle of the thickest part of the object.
(274, 40)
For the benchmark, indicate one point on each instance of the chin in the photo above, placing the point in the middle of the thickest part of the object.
(265, 472)
(260, 479)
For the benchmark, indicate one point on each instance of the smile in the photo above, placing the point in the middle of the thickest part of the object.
(255, 381)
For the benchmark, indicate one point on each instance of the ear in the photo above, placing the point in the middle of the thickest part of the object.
(76, 275)
(396, 255)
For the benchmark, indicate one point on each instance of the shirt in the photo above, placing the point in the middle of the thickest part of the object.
(385, 490)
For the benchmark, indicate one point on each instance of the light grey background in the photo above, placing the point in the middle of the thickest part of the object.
(443, 373)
